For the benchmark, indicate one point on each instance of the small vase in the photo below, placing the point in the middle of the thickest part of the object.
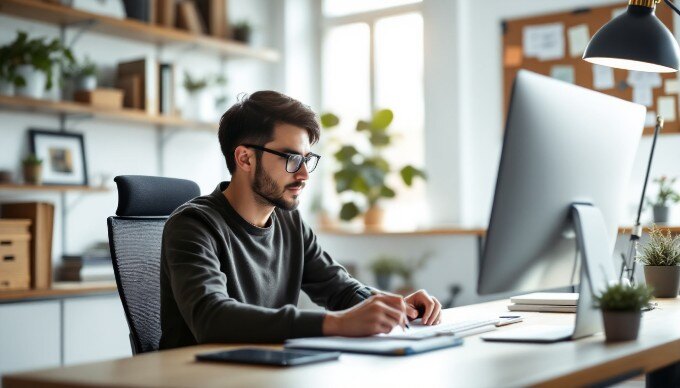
(661, 214)
(621, 325)
(373, 218)
(32, 174)
(6, 87)
(36, 82)
(383, 281)
(86, 82)
(665, 280)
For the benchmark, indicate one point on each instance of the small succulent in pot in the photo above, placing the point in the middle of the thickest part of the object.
(621, 307)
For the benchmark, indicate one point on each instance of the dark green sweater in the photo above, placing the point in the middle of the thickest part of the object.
(225, 280)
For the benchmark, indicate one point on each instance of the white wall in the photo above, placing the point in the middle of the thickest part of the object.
(123, 148)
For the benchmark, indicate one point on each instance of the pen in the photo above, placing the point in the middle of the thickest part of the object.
(376, 292)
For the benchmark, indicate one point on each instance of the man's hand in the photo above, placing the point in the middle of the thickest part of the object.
(427, 307)
(377, 314)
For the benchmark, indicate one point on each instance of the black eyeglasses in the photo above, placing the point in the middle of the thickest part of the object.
(293, 161)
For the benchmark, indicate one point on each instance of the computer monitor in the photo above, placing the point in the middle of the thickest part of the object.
(564, 145)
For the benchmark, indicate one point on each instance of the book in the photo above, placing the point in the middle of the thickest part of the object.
(214, 15)
(166, 90)
(131, 85)
(166, 13)
(547, 298)
(188, 18)
(542, 308)
(41, 215)
(146, 69)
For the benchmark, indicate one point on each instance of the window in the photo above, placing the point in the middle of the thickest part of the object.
(372, 58)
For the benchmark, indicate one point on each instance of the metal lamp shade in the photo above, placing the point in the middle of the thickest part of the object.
(635, 40)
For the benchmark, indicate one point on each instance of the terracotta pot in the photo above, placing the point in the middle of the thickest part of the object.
(664, 279)
(621, 325)
(33, 174)
(373, 218)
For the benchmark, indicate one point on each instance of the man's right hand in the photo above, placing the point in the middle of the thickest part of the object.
(377, 314)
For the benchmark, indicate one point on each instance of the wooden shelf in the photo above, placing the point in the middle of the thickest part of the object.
(60, 290)
(123, 115)
(130, 29)
(340, 231)
(22, 187)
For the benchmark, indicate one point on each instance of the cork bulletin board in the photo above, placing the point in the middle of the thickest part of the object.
(553, 45)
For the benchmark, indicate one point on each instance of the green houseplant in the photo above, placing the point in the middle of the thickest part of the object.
(383, 268)
(621, 307)
(31, 63)
(661, 258)
(83, 74)
(366, 172)
(241, 31)
(32, 169)
(664, 199)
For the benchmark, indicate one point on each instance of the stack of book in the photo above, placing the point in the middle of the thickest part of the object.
(546, 302)
(93, 265)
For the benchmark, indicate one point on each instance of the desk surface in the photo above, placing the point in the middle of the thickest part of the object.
(476, 363)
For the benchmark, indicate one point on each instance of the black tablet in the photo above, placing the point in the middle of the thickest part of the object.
(269, 356)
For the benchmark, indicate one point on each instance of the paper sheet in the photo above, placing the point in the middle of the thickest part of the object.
(513, 56)
(579, 36)
(672, 86)
(643, 95)
(643, 79)
(650, 119)
(603, 77)
(563, 73)
(544, 41)
(666, 107)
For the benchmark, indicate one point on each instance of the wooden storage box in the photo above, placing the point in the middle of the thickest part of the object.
(15, 239)
(108, 98)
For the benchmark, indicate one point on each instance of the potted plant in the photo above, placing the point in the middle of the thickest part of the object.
(365, 172)
(621, 307)
(661, 258)
(383, 268)
(84, 75)
(8, 77)
(198, 106)
(407, 269)
(34, 62)
(241, 31)
(32, 169)
(666, 196)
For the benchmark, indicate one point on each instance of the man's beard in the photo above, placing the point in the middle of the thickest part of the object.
(269, 192)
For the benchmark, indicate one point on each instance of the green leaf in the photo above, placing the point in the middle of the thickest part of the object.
(348, 211)
(382, 119)
(408, 173)
(343, 180)
(386, 192)
(329, 120)
(345, 153)
(359, 184)
(363, 125)
(380, 139)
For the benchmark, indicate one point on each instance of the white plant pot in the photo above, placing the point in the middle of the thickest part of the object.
(88, 82)
(198, 106)
(6, 87)
(35, 82)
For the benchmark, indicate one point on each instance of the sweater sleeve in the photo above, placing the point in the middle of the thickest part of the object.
(325, 281)
(199, 288)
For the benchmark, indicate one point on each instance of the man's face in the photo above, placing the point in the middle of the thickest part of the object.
(272, 184)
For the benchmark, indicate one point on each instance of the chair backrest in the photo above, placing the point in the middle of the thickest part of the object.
(144, 204)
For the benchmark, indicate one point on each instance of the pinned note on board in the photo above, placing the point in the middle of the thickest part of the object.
(666, 107)
(563, 73)
(672, 86)
(512, 56)
(650, 119)
(544, 41)
(603, 77)
(643, 79)
(643, 95)
(579, 36)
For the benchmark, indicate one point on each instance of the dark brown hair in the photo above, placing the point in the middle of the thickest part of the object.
(252, 120)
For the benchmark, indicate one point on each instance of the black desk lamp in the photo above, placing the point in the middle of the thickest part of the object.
(636, 40)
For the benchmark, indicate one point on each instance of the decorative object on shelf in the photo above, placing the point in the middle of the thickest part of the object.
(661, 258)
(83, 75)
(365, 172)
(383, 268)
(32, 169)
(32, 63)
(197, 106)
(5, 176)
(387, 265)
(15, 270)
(214, 15)
(63, 154)
(188, 18)
(407, 269)
(221, 98)
(666, 196)
(107, 98)
(621, 307)
(139, 81)
(242, 31)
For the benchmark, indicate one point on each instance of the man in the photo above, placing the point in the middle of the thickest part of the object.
(233, 263)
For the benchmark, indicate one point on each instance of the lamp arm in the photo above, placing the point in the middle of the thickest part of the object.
(670, 4)
(659, 126)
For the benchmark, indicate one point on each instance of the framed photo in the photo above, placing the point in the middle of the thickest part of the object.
(63, 156)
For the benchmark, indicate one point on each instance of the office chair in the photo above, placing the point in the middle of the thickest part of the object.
(144, 204)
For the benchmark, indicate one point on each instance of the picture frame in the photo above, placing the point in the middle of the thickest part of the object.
(63, 156)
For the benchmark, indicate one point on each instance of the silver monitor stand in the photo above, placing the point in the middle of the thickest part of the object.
(597, 271)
